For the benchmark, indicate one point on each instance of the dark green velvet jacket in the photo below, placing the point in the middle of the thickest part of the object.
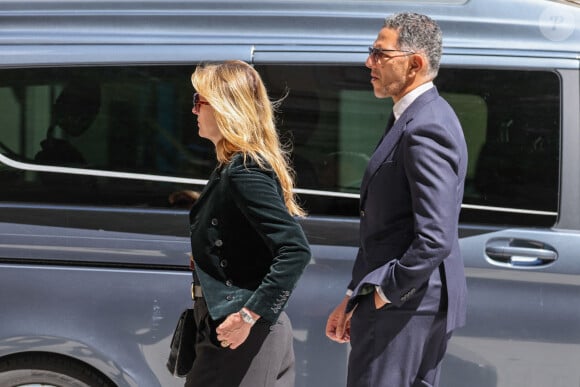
(248, 250)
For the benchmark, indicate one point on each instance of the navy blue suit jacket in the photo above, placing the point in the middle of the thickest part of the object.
(411, 197)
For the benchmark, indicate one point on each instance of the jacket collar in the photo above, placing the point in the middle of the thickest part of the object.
(214, 178)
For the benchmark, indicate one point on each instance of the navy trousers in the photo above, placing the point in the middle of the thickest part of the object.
(399, 346)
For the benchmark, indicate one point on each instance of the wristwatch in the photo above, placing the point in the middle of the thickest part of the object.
(247, 317)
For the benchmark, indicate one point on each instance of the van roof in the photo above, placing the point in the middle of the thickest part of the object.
(538, 25)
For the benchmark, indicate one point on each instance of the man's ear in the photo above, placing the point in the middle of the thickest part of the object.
(417, 64)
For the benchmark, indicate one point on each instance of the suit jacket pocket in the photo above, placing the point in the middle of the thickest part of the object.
(388, 163)
(387, 168)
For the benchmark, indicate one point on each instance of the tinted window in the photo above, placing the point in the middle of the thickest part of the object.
(138, 120)
(510, 119)
(122, 119)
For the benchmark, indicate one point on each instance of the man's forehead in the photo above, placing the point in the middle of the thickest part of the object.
(387, 36)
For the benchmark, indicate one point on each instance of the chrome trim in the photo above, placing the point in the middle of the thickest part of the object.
(506, 209)
(334, 194)
(97, 172)
(170, 179)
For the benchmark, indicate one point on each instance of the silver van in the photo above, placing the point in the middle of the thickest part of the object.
(96, 133)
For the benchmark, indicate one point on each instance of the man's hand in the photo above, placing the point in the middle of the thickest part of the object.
(379, 302)
(338, 324)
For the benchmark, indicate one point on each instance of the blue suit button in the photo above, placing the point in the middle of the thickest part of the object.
(229, 297)
(219, 243)
(223, 263)
(229, 283)
(214, 222)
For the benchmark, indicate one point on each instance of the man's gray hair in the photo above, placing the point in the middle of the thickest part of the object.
(418, 33)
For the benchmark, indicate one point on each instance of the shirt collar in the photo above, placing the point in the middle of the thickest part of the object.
(400, 107)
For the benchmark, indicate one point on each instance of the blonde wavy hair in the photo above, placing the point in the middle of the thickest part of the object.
(245, 118)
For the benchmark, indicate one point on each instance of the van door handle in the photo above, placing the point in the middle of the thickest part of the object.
(520, 252)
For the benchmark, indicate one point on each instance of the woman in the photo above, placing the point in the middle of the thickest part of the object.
(247, 248)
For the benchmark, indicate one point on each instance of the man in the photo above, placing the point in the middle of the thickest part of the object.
(408, 290)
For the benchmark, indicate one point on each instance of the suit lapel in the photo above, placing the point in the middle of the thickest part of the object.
(383, 150)
(390, 140)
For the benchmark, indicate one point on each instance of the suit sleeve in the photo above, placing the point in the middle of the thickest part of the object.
(256, 194)
(431, 160)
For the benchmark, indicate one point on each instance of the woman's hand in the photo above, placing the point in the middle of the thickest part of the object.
(234, 330)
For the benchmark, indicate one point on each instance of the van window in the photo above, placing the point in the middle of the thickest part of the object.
(122, 119)
(138, 120)
(511, 120)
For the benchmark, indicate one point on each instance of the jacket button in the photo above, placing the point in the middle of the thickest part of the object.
(214, 222)
(362, 213)
(223, 263)
(229, 297)
(219, 243)
(229, 283)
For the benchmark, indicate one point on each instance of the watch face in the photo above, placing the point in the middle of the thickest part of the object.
(246, 317)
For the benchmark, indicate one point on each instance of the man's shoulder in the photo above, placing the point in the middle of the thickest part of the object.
(434, 115)
(422, 102)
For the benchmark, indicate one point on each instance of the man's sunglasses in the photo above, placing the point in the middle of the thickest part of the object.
(376, 54)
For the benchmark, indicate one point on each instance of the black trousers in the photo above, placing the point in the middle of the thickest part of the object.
(399, 347)
(265, 359)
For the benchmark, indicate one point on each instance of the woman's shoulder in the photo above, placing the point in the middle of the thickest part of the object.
(241, 163)
(248, 178)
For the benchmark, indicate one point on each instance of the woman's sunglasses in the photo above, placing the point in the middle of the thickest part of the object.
(197, 102)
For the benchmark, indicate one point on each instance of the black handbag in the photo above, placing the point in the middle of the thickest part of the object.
(182, 348)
